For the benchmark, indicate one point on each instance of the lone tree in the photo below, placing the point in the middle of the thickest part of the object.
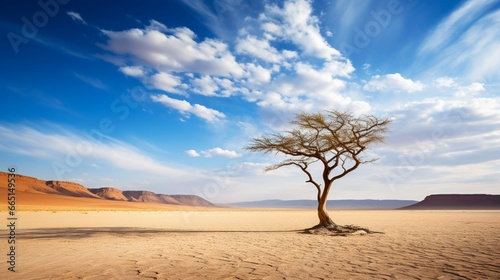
(336, 140)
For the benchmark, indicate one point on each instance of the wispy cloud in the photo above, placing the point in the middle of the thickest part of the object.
(91, 81)
(460, 19)
(219, 15)
(70, 149)
(465, 42)
(76, 17)
(349, 14)
(59, 46)
(41, 98)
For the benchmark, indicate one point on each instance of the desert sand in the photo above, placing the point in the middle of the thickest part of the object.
(253, 244)
(80, 236)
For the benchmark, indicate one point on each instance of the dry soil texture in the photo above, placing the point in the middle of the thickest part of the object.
(246, 244)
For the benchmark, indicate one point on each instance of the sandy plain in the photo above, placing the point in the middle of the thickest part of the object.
(252, 244)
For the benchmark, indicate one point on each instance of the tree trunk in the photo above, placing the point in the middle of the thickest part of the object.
(324, 219)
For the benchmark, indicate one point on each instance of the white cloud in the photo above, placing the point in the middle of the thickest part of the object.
(226, 87)
(205, 86)
(186, 108)
(311, 75)
(220, 152)
(179, 105)
(192, 153)
(308, 88)
(307, 75)
(470, 90)
(258, 48)
(339, 68)
(174, 58)
(172, 50)
(439, 120)
(294, 22)
(289, 54)
(257, 74)
(310, 79)
(76, 17)
(445, 82)
(293, 82)
(166, 82)
(213, 152)
(206, 113)
(133, 71)
(438, 142)
(393, 82)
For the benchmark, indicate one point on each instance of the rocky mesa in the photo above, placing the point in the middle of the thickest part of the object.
(69, 189)
(457, 202)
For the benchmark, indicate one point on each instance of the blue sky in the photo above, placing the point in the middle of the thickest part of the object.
(165, 95)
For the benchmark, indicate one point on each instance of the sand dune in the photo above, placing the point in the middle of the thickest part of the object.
(256, 245)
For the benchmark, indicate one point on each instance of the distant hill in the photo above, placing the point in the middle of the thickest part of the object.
(457, 202)
(109, 193)
(367, 204)
(193, 200)
(69, 189)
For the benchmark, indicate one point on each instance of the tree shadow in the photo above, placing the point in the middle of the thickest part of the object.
(78, 233)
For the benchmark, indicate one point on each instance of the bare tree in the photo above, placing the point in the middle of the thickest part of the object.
(336, 140)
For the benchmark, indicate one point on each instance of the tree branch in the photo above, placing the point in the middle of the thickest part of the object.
(336, 139)
(303, 165)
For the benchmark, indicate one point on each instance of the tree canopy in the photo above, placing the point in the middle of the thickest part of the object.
(337, 140)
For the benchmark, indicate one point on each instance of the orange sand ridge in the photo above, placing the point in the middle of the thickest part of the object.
(34, 194)
(28, 201)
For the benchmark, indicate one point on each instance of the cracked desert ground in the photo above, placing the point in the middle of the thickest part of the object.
(253, 244)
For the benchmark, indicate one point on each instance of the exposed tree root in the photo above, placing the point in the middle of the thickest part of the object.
(336, 230)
